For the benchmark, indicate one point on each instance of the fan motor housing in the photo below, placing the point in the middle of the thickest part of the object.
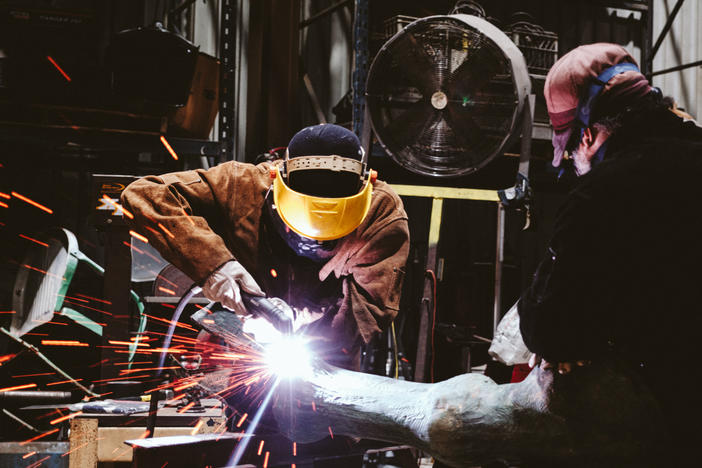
(446, 93)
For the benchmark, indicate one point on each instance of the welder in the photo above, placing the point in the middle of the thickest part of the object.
(316, 231)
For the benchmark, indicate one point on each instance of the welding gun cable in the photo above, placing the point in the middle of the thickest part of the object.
(195, 289)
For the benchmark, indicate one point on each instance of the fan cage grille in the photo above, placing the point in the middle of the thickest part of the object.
(448, 56)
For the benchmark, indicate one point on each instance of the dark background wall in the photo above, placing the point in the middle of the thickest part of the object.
(57, 171)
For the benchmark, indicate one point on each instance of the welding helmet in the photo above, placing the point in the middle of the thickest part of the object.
(323, 188)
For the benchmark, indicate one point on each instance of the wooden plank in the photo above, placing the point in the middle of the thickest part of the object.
(111, 446)
(83, 443)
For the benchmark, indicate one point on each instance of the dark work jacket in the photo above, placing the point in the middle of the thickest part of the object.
(623, 272)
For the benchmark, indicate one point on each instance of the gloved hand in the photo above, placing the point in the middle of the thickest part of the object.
(225, 284)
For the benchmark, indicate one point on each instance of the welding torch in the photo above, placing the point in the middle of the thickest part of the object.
(260, 306)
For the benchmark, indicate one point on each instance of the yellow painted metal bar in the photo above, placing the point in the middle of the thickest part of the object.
(445, 192)
(435, 223)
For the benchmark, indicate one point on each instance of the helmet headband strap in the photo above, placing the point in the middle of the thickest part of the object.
(330, 163)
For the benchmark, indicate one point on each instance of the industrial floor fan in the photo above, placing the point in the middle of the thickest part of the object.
(447, 94)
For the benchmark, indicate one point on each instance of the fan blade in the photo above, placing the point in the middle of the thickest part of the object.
(466, 131)
(417, 65)
(405, 128)
(471, 75)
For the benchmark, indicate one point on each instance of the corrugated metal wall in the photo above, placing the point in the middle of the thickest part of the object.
(682, 45)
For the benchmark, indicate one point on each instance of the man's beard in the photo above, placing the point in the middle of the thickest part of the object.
(581, 163)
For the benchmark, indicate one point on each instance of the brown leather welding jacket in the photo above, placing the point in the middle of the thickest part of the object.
(200, 219)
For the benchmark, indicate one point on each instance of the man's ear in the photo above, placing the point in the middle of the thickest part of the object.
(588, 137)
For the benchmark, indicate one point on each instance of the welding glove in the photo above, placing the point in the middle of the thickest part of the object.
(225, 285)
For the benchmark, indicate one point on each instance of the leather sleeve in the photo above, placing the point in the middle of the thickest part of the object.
(175, 212)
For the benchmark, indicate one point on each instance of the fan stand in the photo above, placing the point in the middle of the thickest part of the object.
(512, 197)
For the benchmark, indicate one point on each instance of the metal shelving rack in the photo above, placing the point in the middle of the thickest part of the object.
(81, 137)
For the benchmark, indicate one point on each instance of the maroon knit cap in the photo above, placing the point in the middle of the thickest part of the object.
(569, 78)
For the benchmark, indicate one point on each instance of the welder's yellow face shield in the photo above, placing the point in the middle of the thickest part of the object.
(320, 218)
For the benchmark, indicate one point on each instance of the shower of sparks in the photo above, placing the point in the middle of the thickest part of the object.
(248, 378)
(32, 202)
(53, 62)
(168, 147)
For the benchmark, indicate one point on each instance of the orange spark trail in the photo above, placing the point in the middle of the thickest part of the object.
(6, 357)
(126, 343)
(294, 449)
(188, 216)
(80, 447)
(331, 433)
(24, 457)
(139, 236)
(178, 324)
(68, 301)
(166, 290)
(121, 378)
(63, 343)
(94, 298)
(53, 62)
(265, 460)
(77, 299)
(183, 387)
(197, 427)
(186, 407)
(4, 205)
(63, 381)
(260, 448)
(241, 421)
(4, 195)
(64, 418)
(144, 434)
(32, 202)
(117, 206)
(18, 387)
(163, 228)
(8, 312)
(168, 147)
(34, 240)
(38, 463)
(34, 375)
(131, 371)
(43, 272)
(44, 434)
